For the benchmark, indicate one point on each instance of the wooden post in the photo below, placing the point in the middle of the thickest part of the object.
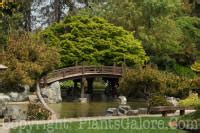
(63, 73)
(82, 68)
(114, 68)
(76, 67)
(82, 88)
(75, 87)
(95, 69)
(182, 112)
(90, 82)
(164, 113)
(123, 68)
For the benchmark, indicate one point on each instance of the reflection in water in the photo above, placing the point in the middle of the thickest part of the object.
(73, 109)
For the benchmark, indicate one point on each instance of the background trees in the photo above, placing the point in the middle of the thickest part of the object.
(95, 41)
(146, 82)
(169, 33)
(196, 67)
(169, 30)
(27, 58)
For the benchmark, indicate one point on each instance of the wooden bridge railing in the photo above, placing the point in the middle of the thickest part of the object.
(81, 70)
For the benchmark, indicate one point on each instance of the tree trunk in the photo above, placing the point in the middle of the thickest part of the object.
(44, 104)
(57, 10)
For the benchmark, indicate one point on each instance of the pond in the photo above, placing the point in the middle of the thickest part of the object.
(74, 109)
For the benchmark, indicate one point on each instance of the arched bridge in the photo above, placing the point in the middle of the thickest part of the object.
(78, 72)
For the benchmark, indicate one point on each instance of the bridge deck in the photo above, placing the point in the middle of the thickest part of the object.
(82, 71)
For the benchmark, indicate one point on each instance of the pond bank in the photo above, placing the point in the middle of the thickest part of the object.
(19, 103)
(7, 126)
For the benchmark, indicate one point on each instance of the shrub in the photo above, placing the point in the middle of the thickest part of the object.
(191, 101)
(196, 85)
(182, 71)
(158, 100)
(67, 84)
(28, 59)
(149, 80)
(36, 112)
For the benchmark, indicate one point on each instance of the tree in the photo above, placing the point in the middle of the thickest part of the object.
(95, 41)
(10, 19)
(169, 34)
(27, 58)
(14, 16)
(147, 81)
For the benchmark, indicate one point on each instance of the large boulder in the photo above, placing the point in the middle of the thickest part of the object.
(3, 100)
(52, 93)
(112, 112)
(132, 112)
(15, 113)
(4, 97)
(20, 97)
(173, 100)
(123, 100)
(123, 109)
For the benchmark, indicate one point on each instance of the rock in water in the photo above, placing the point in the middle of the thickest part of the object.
(111, 112)
(123, 100)
(52, 93)
(132, 112)
(123, 109)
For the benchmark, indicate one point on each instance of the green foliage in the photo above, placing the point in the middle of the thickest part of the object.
(158, 100)
(27, 58)
(36, 112)
(99, 85)
(196, 67)
(149, 81)
(191, 101)
(196, 85)
(11, 19)
(168, 32)
(67, 84)
(182, 71)
(95, 41)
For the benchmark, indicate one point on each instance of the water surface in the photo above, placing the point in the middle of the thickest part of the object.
(74, 109)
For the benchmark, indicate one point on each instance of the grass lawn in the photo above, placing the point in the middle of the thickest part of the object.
(132, 125)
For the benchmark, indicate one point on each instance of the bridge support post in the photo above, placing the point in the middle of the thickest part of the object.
(83, 99)
(182, 112)
(82, 88)
(114, 68)
(90, 82)
(123, 68)
(75, 87)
